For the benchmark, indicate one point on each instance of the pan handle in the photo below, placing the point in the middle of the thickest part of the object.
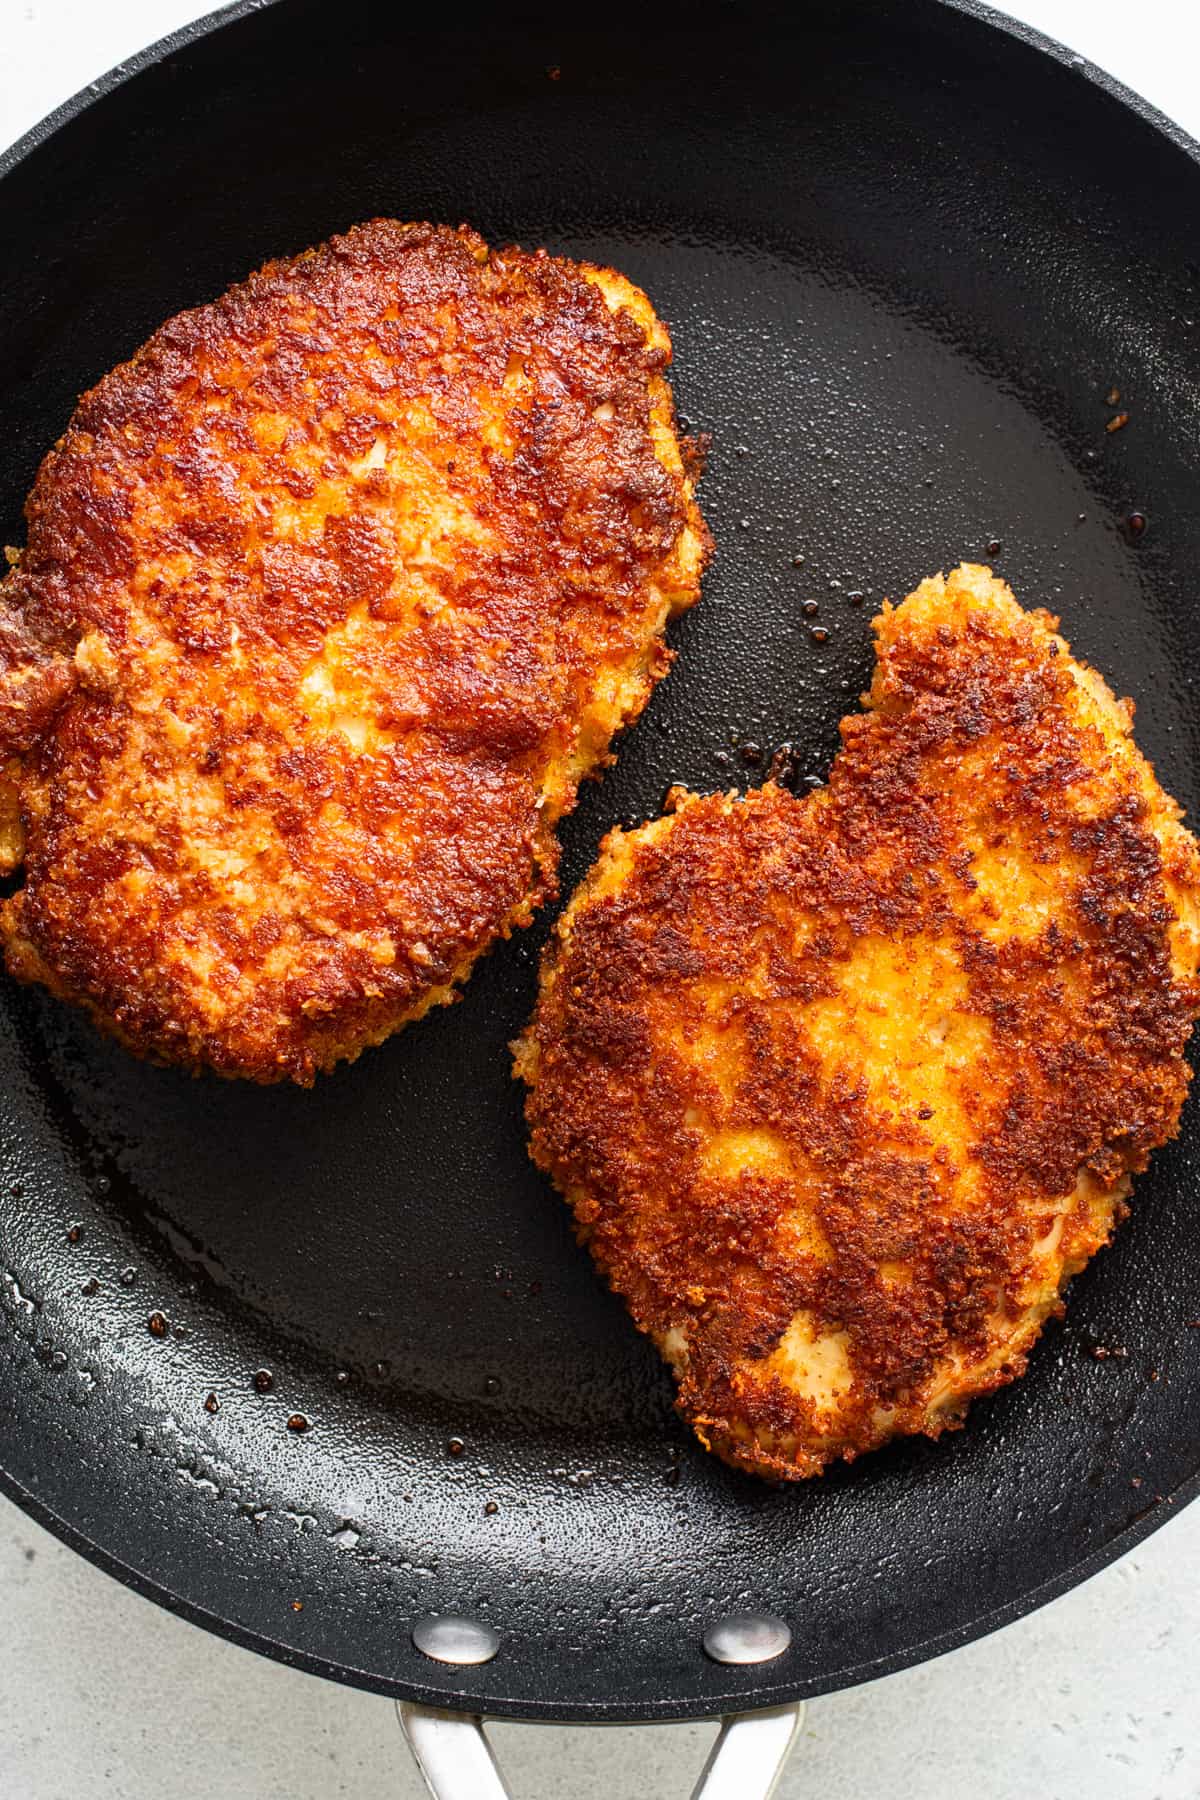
(456, 1760)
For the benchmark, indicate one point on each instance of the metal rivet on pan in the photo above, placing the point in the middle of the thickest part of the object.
(450, 1640)
(747, 1638)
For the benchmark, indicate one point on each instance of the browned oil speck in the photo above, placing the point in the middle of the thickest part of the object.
(74, 1233)
(751, 753)
(785, 768)
(490, 1508)
(818, 634)
(1107, 1352)
(298, 1422)
(156, 1325)
(212, 1404)
(810, 609)
(456, 1446)
(90, 1286)
(297, 1606)
(856, 596)
(1113, 397)
(924, 1112)
(263, 1381)
(1117, 422)
(1135, 524)
(993, 546)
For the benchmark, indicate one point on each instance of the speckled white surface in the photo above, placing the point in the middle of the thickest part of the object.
(101, 1694)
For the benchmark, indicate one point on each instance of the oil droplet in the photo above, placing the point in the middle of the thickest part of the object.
(156, 1325)
(381, 1370)
(264, 1381)
(127, 1277)
(212, 1404)
(297, 1422)
(342, 1377)
(491, 1385)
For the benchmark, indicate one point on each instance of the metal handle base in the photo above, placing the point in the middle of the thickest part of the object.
(456, 1760)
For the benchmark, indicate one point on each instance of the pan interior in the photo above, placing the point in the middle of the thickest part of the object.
(905, 258)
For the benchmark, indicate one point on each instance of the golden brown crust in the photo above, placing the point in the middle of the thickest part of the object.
(332, 595)
(843, 1089)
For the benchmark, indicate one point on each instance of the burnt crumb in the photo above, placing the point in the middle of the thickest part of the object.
(298, 1423)
(262, 1381)
(1135, 524)
(856, 597)
(723, 759)
(74, 1233)
(554, 73)
(993, 547)
(751, 753)
(924, 1112)
(156, 1325)
(212, 1404)
(491, 1508)
(297, 1606)
(1118, 422)
(672, 1477)
(819, 634)
(1106, 1352)
(90, 1286)
(455, 1447)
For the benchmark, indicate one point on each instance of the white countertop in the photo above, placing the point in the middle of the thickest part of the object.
(102, 1694)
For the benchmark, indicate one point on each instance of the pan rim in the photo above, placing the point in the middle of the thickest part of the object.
(527, 1710)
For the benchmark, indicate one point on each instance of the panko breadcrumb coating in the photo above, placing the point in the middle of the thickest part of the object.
(333, 594)
(843, 1089)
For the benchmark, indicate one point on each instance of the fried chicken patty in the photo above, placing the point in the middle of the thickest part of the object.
(843, 1089)
(332, 596)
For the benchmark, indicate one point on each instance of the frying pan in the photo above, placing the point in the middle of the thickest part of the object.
(907, 253)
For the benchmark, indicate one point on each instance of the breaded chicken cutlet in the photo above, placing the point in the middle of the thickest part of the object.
(332, 596)
(843, 1089)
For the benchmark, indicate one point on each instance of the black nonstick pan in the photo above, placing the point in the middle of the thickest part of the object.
(313, 1368)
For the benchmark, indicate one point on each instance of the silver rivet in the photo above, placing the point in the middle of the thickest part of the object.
(747, 1638)
(449, 1640)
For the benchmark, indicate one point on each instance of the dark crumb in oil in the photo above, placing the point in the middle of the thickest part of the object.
(456, 1447)
(993, 547)
(751, 753)
(723, 759)
(924, 1112)
(672, 1477)
(297, 1606)
(156, 1325)
(342, 1377)
(818, 634)
(74, 1233)
(810, 609)
(91, 1286)
(491, 1508)
(298, 1423)
(784, 770)
(212, 1404)
(263, 1381)
(1118, 422)
(856, 596)
(1135, 524)
(1107, 1352)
